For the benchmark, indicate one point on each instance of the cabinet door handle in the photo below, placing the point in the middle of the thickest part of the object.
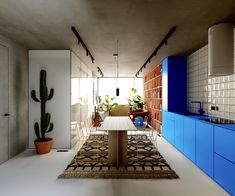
(6, 114)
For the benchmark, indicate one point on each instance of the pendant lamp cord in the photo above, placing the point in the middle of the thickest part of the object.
(117, 61)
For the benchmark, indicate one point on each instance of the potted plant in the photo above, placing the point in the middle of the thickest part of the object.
(136, 102)
(42, 143)
(139, 103)
(108, 104)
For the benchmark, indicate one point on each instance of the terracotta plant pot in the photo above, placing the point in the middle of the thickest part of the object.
(43, 147)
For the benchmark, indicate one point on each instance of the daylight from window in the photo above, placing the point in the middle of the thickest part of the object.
(107, 86)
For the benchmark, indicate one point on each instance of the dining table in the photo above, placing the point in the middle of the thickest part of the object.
(117, 127)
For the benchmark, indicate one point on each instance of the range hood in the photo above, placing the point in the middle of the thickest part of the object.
(221, 49)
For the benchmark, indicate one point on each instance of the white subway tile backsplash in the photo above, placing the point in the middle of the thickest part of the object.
(227, 108)
(226, 85)
(232, 115)
(219, 91)
(232, 101)
(231, 85)
(209, 81)
(226, 101)
(231, 78)
(226, 93)
(231, 93)
(226, 78)
(232, 107)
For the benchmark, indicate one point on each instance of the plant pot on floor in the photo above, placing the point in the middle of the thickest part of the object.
(43, 144)
(43, 147)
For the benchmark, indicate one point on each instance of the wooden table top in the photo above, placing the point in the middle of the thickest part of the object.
(117, 123)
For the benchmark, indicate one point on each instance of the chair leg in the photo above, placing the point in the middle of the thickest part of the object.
(155, 140)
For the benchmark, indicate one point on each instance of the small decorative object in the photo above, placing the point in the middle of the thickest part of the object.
(139, 121)
(43, 144)
(108, 104)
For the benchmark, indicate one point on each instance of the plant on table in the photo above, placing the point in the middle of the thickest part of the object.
(136, 102)
(43, 144)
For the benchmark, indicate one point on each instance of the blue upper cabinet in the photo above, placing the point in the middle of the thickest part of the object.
(174, 81)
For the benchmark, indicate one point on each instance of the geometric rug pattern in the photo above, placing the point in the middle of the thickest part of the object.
(144, 160)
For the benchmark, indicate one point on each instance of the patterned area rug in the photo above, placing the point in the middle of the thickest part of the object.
(144, 161)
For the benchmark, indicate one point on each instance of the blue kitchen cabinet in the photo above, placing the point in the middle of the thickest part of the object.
(224, 163)
(225, 143)
(205, 147)
(168, 126)
(209, 146)
(164, 125)
(189, 138)
(224, 173)
(171, 130)
(179, 132)
(174, 81)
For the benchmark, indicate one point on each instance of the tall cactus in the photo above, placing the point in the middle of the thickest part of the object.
(45, 125)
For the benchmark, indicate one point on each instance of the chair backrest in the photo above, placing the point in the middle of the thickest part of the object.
(146, 120)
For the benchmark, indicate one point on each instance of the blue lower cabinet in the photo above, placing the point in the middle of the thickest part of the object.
(224, 173)
(164, 125)
(179, 132)
(189, 138)
(171, 131)
(225, 143)
(205, 147)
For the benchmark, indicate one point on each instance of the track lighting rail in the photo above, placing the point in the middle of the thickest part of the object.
(164, 41)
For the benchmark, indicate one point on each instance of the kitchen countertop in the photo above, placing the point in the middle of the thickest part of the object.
(199, 117)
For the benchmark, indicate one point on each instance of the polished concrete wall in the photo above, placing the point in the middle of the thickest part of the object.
(18, 97)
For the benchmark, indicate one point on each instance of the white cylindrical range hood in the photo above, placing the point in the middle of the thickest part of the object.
(221, 49)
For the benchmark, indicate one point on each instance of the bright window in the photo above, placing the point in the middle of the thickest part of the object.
(107, 86)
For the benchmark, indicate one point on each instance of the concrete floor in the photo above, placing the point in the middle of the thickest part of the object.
(33, 175)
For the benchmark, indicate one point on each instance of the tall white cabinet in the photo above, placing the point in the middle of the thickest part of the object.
(57, 65)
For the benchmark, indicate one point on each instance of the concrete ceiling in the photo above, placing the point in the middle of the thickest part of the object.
(139, 25)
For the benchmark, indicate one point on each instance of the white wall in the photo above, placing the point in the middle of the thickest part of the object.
(107, 86)
(216, 91)
(57, 64)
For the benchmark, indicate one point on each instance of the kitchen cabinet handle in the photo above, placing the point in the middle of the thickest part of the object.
(6, 114)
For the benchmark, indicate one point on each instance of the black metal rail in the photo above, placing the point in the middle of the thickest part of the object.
(164, 41)
(101, 73)
(88, 53)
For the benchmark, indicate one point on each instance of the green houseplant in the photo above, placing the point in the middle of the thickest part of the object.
(42, 143)
(136, 102)
(108, 104)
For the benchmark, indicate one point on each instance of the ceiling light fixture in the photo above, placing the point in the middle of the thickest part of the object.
(99, 71)
(88, 53)
(164, 41)
(116, 56)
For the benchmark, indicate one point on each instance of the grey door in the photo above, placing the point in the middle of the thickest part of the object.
(4, 108)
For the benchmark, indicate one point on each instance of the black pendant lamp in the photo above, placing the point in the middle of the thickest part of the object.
(117, 89)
